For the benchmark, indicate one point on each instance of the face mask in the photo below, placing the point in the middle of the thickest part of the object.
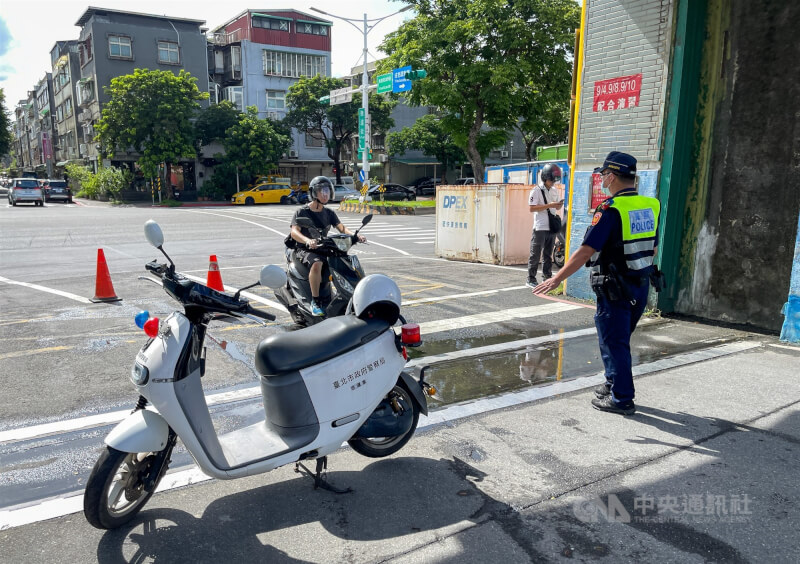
(605, 186)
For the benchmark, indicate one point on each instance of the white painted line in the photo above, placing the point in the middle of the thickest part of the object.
(493, 317)
(61, 293)
(795, 348)
(73, 503)
(425, 242)
(391, 248)
(457, 296)
(281, 233)
(520, 268)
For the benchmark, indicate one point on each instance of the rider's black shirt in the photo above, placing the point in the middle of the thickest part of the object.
(326, 218)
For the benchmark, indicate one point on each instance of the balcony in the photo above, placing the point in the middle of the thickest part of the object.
(235, 36)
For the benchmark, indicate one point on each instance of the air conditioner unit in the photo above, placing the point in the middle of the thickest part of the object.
(293, 154)
(503, 154)
(83, 149)
(384, 158)
(272, 115)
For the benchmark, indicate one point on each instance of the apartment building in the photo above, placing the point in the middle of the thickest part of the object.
(113, 43)
(256, 56)
(70, 139)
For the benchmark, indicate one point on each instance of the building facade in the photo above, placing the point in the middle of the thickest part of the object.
(70, 139)
(255, 57)
(698, 92)
(113, 43)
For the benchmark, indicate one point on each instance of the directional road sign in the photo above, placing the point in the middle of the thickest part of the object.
(399, 81)
(384, 82)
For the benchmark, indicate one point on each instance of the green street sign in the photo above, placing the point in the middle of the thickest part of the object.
(361, 154)
(384, 82)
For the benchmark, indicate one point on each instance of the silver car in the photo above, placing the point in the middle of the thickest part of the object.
(25, 190)
(342, 192)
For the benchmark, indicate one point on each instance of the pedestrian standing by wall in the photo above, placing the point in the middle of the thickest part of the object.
(619, 246)
(542, 199)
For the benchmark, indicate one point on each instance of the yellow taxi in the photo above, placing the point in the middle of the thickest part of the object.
(269, 190)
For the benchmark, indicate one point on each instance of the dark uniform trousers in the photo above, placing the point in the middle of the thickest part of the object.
(615, 321)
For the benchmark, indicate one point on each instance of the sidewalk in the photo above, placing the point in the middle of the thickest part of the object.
(706, 471)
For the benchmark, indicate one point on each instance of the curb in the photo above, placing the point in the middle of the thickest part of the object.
(356, 207)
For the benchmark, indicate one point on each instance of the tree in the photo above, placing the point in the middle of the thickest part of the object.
(214, 121)
(426, 135)
(334, 125)
(150, 113)
(477, 54)
(5, 126)
(254, 144)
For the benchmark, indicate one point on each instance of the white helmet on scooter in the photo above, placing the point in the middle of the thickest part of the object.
(377, 296)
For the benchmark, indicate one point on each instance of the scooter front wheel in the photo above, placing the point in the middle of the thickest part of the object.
(384, 446)
(115, 491)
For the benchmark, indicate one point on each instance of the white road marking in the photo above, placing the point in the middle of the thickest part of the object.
(493, 317)
(61, 293)
(281, 233)
(28, 513)
(457, 296)
(247, 295)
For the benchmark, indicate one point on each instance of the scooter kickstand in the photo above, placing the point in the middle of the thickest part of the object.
(319, 480)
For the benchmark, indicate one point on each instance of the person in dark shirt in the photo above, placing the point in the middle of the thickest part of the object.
(619, 247)
(320, 190)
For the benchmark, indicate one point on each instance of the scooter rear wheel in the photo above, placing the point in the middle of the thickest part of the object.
(384, 446)
(115, 491)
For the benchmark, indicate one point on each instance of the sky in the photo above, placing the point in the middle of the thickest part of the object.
(30, 28)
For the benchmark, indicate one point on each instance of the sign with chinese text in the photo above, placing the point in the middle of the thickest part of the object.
(399, 81)
(617, 93)
(384, 82)
(598, 197)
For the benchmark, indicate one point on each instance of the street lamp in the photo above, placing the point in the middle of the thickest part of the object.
(365, 76)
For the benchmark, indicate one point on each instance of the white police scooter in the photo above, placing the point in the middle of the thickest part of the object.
(341, 380)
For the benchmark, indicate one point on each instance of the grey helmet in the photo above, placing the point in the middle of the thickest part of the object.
(319, 183)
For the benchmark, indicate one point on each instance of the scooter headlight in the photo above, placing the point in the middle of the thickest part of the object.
(139, 374)
(342, 282)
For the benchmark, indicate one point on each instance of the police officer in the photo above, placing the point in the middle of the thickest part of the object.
(619, 248)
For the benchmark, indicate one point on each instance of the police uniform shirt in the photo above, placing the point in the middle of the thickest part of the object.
(606, 228)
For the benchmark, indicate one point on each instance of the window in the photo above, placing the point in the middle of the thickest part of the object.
(295, 65)
(271, 23)
(276, 100)
(68, 107)
(235, 95)
(119, 47)
(168, 53)
(315, 139)
(311, 29)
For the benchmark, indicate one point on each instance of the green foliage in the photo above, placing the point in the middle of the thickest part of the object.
(481, 56)
(5, 126)
(107, 182)
(335, 125)
(149, 112)
(429, 136)
(214, 121)
(254, 144)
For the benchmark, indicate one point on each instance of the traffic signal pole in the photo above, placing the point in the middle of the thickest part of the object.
(365, 105)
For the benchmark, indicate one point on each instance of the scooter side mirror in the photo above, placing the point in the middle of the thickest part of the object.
(153, 233)
(367, 219)
(272, 276)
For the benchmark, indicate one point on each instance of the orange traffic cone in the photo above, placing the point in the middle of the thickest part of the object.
(214, 280)
(103, 289)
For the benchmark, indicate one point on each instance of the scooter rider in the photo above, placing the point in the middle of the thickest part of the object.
(320, 190)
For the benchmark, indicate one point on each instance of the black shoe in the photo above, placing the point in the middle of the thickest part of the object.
(602, 391)
(531, 283)
(607, 404)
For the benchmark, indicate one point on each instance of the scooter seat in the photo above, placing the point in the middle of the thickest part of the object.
(289, 352)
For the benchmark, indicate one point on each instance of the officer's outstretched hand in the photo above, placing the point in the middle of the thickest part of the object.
(546, 286)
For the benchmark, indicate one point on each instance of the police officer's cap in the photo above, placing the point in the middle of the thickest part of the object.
(619, 163)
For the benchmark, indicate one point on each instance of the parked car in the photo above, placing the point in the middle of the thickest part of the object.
(465, 181)
(57, 190)
(428, 187)
(343, 192)
(346, 180)
(25, 190)
(264, 193)
(392, 192)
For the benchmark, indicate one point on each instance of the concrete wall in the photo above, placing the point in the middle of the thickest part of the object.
(621, 38)
(744, 236)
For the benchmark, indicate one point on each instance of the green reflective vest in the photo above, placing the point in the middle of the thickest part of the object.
(639, 215)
